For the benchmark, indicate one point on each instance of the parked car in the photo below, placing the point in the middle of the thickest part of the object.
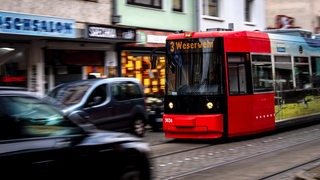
(38, 142)
(116, 104)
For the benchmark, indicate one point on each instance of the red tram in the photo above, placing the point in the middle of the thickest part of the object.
(234, 83)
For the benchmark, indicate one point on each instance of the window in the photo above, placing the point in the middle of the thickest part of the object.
(23, 117)
(283, 72)
(13, 66)
(315, 61)
(125, 91)
(238, 74)
(146, 3)
(302, 74)
(177, 5)
(262, 73)
(133, 91)
(210, 7)
(98, 96)
(248, 10)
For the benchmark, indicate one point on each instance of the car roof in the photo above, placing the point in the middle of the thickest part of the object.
(17, 93)
(100, 81)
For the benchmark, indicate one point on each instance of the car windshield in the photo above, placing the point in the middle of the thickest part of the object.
(24, 116)
(69, 95)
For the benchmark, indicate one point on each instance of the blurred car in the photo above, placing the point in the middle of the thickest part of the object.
(116, 104)
(38, 141)
(155, 111)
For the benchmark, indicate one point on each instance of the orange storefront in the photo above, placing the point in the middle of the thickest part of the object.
(135, 61)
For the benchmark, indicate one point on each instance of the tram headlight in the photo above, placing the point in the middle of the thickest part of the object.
(170, 105)
(209, 105)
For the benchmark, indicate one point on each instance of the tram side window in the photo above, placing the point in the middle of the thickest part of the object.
(283, 73)
(302, 74)
(262, 73)
(315, 64)
(238, 78)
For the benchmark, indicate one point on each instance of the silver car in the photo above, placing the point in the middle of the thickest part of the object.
(109, 103)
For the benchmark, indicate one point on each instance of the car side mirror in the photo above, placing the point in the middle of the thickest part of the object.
(81, 119)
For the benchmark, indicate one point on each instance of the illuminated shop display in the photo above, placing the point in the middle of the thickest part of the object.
(139, 66)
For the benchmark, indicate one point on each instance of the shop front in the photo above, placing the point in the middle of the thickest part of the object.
(94, 57)
(40, 52)
(22, 39)
(135, 60)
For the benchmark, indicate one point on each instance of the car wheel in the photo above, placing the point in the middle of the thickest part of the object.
(139, 127)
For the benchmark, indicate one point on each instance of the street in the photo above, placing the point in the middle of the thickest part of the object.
(247, 158)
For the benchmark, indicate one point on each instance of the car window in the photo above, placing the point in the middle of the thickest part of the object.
(119, 91)
(22, 117)
(133, 91)
(98, 95)
(69, 95)
(126, 91)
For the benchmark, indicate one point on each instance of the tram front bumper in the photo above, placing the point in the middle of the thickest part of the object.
(189, 126)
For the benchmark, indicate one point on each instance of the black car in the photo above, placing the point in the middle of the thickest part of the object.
(116, 104)
(38, 141)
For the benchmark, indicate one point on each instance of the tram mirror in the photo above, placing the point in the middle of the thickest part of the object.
(172, 66)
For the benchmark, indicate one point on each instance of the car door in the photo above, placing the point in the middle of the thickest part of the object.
(29, 155)
(122, 103)
(31, 137)
(100, 109)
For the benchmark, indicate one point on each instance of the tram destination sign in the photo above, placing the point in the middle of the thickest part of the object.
(25, 24)
(110, 32)
(191, 45)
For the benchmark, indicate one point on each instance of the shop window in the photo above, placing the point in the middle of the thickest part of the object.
(137, 65)
(13, 67)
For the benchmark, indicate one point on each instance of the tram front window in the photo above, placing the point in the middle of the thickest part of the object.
(193, 67)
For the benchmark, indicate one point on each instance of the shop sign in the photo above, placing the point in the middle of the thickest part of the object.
(24, 24)
(110, 32)
(141, 38)
(156, 39)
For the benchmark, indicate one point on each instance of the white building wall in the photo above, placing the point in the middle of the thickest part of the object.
(233, 11)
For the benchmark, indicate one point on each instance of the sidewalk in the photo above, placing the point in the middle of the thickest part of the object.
(309, 174)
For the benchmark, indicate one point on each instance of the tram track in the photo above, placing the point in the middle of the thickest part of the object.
(305, 165)
(230, 162)
(185, 162)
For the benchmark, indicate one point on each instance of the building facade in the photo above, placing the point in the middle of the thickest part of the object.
(293, 14)
(154, 21)
(230, 14)
(45, 43)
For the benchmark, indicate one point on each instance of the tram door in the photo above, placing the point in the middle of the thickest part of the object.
(240, 89)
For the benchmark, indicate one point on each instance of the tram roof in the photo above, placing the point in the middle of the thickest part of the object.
(205, 34)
